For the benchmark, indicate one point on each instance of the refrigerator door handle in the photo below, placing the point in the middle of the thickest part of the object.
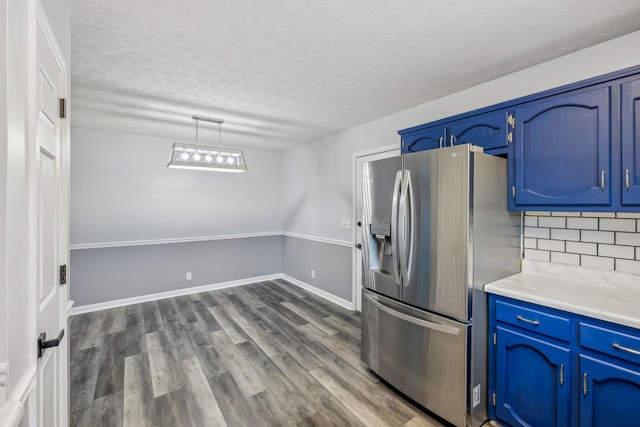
(407, 209)
(423, 323)
(412, 209)
(394, 227)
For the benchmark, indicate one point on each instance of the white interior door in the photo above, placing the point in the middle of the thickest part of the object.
(51, 241)
(359, 160)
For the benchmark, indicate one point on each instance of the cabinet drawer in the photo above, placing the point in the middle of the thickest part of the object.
(611, 342)
(534, 320)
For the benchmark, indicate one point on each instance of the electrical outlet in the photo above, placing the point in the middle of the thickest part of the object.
(189, 276)
(313, 274)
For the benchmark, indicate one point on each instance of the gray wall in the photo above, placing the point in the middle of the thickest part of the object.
(121, 190)
(331, 263)
(107, 274)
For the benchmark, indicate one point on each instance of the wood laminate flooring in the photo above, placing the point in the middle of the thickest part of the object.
(266, 354)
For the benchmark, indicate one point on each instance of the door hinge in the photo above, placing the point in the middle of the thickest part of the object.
(509, 137)
(63, 274)
(495, 338)
(63, 108)
(493, 398)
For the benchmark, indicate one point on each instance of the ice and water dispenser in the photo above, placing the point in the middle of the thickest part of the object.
(381, 258)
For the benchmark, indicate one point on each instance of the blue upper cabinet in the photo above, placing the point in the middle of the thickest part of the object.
(572, 148)
(488, 131)
(630, 111)
(423, 139)
(562, 151)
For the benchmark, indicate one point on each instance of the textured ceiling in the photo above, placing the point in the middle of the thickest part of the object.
(285, 72)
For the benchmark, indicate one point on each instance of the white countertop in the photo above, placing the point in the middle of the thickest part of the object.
(600, 294)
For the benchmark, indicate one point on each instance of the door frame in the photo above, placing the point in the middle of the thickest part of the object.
(357, 159)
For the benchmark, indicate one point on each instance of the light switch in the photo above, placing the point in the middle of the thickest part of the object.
(345, 223)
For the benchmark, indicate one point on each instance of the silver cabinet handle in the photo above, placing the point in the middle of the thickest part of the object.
(584, 384)
(627, 349)
(424, 323)
(394, 227)
(524, 319)
(626, 178)
(441, 141)
(602, 180)
(451, 140)
(561, 373)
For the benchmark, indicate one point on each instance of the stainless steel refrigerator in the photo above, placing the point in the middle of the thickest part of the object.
(436, 229)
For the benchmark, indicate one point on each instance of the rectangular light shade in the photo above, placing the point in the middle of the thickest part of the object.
(201, 157)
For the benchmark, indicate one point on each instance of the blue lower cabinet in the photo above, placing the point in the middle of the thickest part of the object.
(532, 381)
(544, 377)
(609, 394)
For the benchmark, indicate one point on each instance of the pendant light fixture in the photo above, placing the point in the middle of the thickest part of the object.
(200, 157)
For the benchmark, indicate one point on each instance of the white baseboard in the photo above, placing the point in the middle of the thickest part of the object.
(324, 294)
(169, 294)
(186, 291)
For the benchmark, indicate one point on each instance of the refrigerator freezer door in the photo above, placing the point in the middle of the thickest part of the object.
(435, 212)
(380, 200)
(422, 355)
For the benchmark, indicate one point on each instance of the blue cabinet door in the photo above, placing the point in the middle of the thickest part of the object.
(532, 381)
(562, 150)
(423, 139)
(610, 394)
(487, 130)
(631, 143)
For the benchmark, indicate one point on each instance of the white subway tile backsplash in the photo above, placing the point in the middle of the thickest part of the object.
(565, 214)
(536, 255)
(598, 215)
(551, 245)
(597, 240)
(631, 215)
(627, 266)
(583, 223)
(538, 213)
(564, 258)
(630, 239)
(540, 233)
(582, 248)
(614, 251)
(552, 222)
(617, 224)
(597, 236)
(565, 234)
(596, 262)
